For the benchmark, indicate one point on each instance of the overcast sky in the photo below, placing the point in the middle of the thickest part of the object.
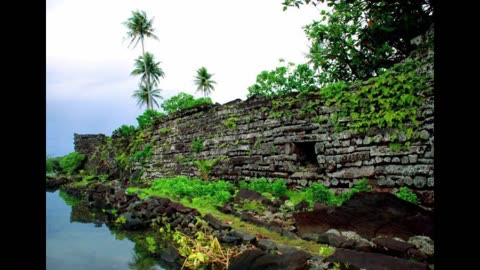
(88, 62)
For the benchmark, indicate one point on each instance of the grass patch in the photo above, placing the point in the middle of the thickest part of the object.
(204, 197)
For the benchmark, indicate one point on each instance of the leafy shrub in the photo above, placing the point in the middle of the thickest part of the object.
(222, 196)
(406, 194)
(205, 167)
(284, 80)
(261, 185)
(197, 145)
(182, 101)
(148, 118)
(231, 122)
(358, 39)
(279, 187)
(322, 194)
(143, 154)
(71, 162)
(360, 186)
(124, 131)
(151, 244)
(121, 220)
(214, 192)
(52, 164)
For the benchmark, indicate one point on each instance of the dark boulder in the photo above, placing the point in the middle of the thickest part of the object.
(215, 223)
(133, 222)
(260, 260)
(392, 247)
(374, 261)
(369, 214)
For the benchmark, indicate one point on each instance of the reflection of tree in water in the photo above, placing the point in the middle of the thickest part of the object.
(84, 214)
(141, 260)
(68, 199)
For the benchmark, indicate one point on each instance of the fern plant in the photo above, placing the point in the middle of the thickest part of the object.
(205, 167)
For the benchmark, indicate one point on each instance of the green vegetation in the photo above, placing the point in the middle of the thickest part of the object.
(406, 194)
(124, 131)
(69, 200)
(52, 165)
(71, 162)
(205, 167)
(205, 196)
(197, 145)
(356, 40)
(148, 118)
(142, 95)
(121, 220)
(201, 251)
(151, 244)
(389, 100)
(182, 187)
(231, 122)
(319, 193)
(284, 80)
(204, 81)
(164, 131)
(261, 185)
(254, 206)
(139, 27)
(150, 71)
(183, 101)
(143, 154)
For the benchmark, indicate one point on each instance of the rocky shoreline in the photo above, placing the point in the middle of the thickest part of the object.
(370, 231)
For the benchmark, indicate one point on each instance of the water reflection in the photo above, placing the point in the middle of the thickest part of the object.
(73, 243)
(141, 261)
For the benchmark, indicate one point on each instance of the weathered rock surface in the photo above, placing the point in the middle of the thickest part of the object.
(374, 261)
(257, 259)
(370, 215)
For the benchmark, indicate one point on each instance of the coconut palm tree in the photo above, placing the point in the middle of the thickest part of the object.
(204, 81)
(139, 27)
(150, 72)
(142, 96)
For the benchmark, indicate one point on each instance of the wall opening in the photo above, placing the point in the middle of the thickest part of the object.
(306, 153)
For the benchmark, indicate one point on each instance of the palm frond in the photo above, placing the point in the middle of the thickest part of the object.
(204, 82)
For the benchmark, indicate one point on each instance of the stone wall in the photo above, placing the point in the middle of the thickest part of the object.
(294, 148)
(85, 144)
(251, 141)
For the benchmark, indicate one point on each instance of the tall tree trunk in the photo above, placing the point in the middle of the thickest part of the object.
(149, 102)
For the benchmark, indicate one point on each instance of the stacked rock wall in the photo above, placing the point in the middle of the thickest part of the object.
(251, 144)
(86, 143)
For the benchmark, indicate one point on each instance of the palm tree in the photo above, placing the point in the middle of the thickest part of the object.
(150, 72)
(140, 27)
(204, 82)
(142, 95)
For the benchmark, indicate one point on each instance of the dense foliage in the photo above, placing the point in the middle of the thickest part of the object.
(71, 162)
(52, 164)
(183, 101)
(205, 167)
(277, 188)
(355, 40)
(148, 118)
(283, 80)
(124, 131)
(405, 194)
(389, 100)
(216, 192)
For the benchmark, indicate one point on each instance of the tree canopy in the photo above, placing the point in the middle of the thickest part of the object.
(204, 81)
(360, 39)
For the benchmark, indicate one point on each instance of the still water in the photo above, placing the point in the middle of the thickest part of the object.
(77, 239)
